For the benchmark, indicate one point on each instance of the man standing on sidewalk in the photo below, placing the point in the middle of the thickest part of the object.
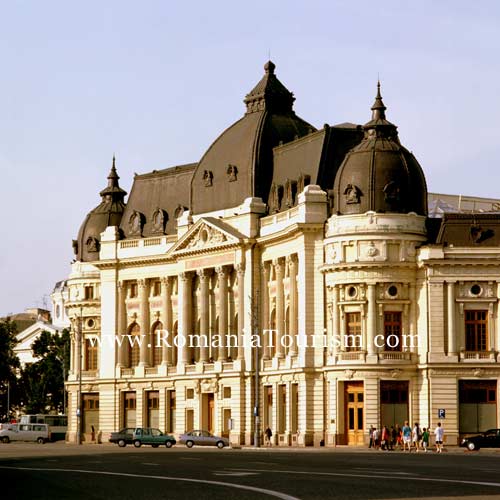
(439, 434)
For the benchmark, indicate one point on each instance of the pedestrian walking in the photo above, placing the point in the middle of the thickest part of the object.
(425, 439)
(268, 433)
(376, 438)
(416, 436)
(439, 435)
(406, 437)
(370, 435)
(384, 444)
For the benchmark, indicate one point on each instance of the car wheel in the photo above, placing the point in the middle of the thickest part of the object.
(137, 443)
(5, 439)
(220, 445)
(168, 444)
(154, 446)
(471, 446)
(189, 444)
(122, 443)
(40, 441)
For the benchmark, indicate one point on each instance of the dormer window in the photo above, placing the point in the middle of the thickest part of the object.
(136, 223)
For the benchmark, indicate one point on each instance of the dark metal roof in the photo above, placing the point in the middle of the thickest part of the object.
(469, 230)
(156, 200)
(239, 163)
(108, 213)
(380, 174)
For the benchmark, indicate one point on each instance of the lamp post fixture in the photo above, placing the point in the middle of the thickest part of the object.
(79, 338)
(256, 351)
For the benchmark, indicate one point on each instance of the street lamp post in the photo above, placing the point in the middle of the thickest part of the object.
(80, 357)
(256, 410)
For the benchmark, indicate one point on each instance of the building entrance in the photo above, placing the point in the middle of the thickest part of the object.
(208, 412)
(354, 413)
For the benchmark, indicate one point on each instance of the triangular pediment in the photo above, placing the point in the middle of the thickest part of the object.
(206, 234)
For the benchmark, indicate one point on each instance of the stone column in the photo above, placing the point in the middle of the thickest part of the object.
(292, 273)
(335, 320)
(265, 310)
(413, 318)
(452, 337)
(185, 293)
(204, 275)
(240, 270)
(122, 325)
(222, 273)
(166, 316)
(280, 307)
(144, 321)
(372, 320)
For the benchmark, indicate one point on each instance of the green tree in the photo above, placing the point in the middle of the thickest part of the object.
(43, 381)
(9, 363)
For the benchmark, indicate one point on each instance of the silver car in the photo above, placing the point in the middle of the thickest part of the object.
(202, 438)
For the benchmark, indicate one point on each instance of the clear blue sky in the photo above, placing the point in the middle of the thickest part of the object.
(155, 82)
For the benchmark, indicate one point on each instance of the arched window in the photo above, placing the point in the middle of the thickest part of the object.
(134, 344)
(156, 342)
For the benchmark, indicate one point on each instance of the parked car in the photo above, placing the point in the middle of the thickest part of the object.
(122, 437)
(142, 435)
(488, 439)
(25, 432)
(202, 438)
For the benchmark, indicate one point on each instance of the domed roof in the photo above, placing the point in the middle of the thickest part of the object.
(379, 174)
(108, 213)
(239, 163)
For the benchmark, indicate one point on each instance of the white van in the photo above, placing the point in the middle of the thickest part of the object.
(25, 432)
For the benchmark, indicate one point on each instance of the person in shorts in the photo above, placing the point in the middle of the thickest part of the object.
(439, 435)
(425, 439)
(406, 437)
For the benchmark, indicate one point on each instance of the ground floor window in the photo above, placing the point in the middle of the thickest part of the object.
(90, 424)
(129, 409)
(477, 405)
(393, 402)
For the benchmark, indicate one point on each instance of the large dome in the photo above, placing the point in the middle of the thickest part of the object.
(379, 174)
(239, 164)
(108, 213)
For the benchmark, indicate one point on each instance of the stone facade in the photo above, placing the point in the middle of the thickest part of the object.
(365, 319)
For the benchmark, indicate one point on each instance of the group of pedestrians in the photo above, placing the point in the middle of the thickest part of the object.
(405, 437)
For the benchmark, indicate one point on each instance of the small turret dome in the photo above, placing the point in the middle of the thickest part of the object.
(379, 174)
(108, 213)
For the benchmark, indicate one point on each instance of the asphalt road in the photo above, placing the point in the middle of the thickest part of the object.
(58, 471)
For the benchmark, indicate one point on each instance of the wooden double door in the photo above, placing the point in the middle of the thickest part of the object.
(354, 398)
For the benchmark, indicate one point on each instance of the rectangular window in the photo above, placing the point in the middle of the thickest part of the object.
(476, 330)
(353, 341)
(90, 401)
(129, 401)
(90, 355)
(227, 392)
(189, 393)
(156, 288)
(89, 292)
(392, 331)
(153, 400)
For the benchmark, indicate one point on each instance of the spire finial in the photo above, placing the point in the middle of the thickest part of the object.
(378, 108)
(269, 67)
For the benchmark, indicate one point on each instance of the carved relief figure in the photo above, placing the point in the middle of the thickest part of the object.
(208, 178)
(392, 192)
(352, 194)
(232, 173)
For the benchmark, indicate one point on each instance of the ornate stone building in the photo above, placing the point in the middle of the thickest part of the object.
(317, 241)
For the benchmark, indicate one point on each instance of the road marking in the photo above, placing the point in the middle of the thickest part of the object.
(264, 491)
(385, 471)
(427, 479)
(148, 463)
(227, 473)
